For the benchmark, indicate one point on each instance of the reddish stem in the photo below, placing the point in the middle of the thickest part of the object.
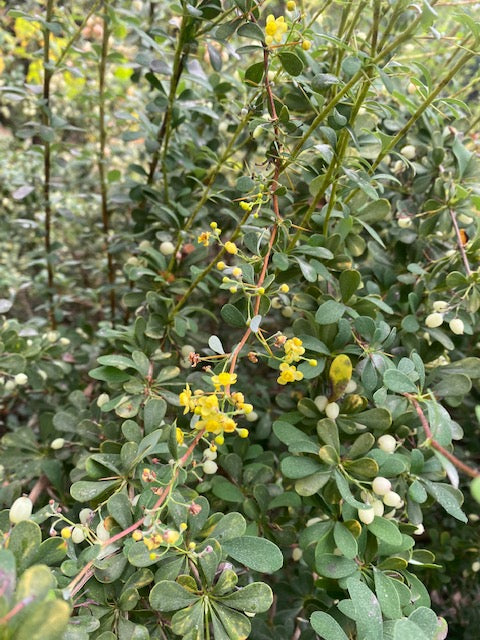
(469, 471)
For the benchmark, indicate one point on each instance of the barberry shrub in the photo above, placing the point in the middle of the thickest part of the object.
(240, 291)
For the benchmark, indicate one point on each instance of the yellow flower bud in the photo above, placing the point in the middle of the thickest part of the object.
(66, 533)
(231, 247)
(306, 45)
(221, 265)
(243, 433)
(137, 535)
(284, 288)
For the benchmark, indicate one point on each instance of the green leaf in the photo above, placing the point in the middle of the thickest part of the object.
(385, 530)
(387, 595)
(326, 626)
(368, 614)
(47, 621)
(322, 81)
(258, 554)
(428, 622)
(332, 566)
(255, 597)
(398, 382)
(349, 282)
(167, 595)
(119, 507)
(24, 542)
(462, 155)
(232, 316)
(407, 629)
(329, 312)
(85, 491)
(311, 484)
(251, 30)
(345, 540)
(300, 467)
(35, 583)
(448, 497)
(153, 413)
(254, 73)
(292, 64)
(344, 489)
(226, 490)
(231, 525)
(229, 624)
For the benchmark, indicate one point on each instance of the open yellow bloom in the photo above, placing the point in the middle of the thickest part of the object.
(275, 28)
(185, 399)
(204, 238)
(288, 374)
(224, 379)
(293, 350)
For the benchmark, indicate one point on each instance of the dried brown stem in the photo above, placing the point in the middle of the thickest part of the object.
(460, 242)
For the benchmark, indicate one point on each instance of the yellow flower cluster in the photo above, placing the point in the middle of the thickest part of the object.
(289, 373)
(204, 238)
(211, 416)
(156, 540)
(275, 28)
(293, 350)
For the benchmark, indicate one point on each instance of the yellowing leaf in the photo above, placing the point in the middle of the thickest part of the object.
(340, 374)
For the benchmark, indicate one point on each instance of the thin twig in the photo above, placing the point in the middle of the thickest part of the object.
(101, 165)
(469, 471)
(460, 243)
(45, 120)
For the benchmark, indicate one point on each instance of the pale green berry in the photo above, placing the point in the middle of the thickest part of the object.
(408, 151)
(332, 410)
(21, 379)
(102, 399)
(441, 306)
(434, 320)
(77, 535)
(186, 350)
(366, 515)
(392, 499)
(85, 515)
(457, 326)
(381, 486)
(58, 443)
(321, 402)
(167, 248)
(387, 443)
(210, 467)
(20, 510)
(252, 416)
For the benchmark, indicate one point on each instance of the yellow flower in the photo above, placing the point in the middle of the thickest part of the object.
(153, 541)
(179, 435)
(204, 238)
(224, 379)
(243, 433)
(246, 206)
(291, 5)
(206, 406)
(275, 28)
(185, 399)
(231, 247)
(137, 535)
(238, 398)
(236, 272)
(293, 350)
(289, 373)
(171, 537)
(284, 288)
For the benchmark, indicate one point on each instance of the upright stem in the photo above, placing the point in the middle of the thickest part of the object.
(101, 165)
(163, 135)
(45, 120)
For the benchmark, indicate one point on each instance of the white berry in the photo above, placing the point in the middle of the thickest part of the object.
(392, 499)
(77, 535)
(20, 510)
(321, 402)
(58, 443)
(210, 467)
(457, 326)
(434, 320)
(332, 410)
(387, 443)
(441, 306)
(366, 515)
(167, 248)
(381, 486)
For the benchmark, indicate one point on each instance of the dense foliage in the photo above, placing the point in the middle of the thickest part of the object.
(239, 377)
